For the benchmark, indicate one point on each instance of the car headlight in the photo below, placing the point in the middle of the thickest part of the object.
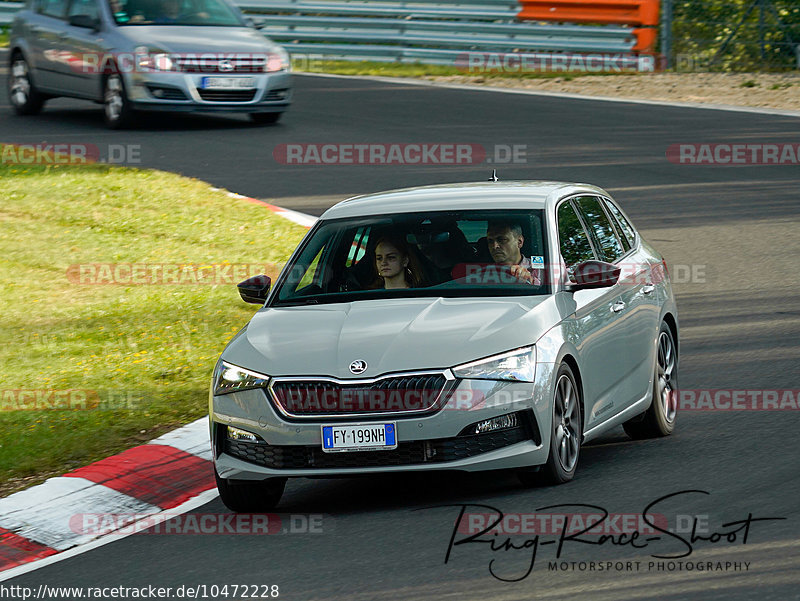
(278, 60)
(229, 378)
(149, 60)
(517, 366)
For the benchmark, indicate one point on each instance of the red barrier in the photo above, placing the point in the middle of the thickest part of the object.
(608, 12)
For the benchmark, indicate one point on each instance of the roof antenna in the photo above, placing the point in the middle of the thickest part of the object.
(494, 176)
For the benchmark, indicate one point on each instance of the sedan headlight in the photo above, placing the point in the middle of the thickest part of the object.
(229, 378)
(278, 60)
(517, 366)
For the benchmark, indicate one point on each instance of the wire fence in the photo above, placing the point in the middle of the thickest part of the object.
(731, 35)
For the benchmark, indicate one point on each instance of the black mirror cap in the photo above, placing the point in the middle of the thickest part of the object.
(84, 21)
(254, 290)
(593, 274)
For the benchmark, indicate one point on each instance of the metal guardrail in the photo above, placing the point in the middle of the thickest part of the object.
(432, 32)
(8, 10)
(424, 31)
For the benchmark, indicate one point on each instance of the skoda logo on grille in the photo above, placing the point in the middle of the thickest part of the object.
(225, 65)
(358, 366)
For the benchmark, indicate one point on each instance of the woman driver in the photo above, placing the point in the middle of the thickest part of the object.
(393, 264)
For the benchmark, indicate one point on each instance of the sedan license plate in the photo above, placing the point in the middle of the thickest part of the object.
(359, 437)
(227, 83)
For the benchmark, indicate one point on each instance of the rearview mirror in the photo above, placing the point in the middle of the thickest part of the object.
(593, 274)
(254, 290)
(84, 21)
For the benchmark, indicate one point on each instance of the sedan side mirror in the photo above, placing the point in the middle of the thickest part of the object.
(84, 21)
(254, 290)
(593, 274)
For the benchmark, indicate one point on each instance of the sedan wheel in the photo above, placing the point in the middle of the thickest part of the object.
(23, 95)
(118, 113)
(565, 437)
(659, 419)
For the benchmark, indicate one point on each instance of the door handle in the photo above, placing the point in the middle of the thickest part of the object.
(617, 306)
(648, 288)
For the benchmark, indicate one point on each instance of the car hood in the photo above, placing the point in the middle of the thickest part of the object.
(390, 335)
(197, 39)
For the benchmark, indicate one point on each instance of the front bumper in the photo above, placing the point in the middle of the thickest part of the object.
(182, 92)
(438, 441)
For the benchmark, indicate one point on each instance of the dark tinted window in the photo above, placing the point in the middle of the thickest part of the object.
(573, 242)
(623, 225)
(52, 8)
(83, 7)
(443, 254)
(608, 245)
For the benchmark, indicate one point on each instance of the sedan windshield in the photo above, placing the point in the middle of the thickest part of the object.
(174, 12)
(454, 253)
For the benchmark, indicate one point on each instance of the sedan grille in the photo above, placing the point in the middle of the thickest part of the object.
(227, 95)
(202, 64)
(417, 393)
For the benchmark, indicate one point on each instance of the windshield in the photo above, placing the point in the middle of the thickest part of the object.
(455, 253)
(174, 12)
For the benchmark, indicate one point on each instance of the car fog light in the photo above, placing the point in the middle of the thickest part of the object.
(497, 423)
(237, 434)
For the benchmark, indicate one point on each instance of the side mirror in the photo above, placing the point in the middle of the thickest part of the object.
(593, 274)
(254, 290)
(84, 21)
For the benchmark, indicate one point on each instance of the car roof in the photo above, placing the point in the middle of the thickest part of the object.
(460, 196)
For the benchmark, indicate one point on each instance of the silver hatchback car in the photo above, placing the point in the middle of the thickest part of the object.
(154, 55)
(457, 327)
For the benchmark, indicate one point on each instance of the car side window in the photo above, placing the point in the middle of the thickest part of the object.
(608, 245)
(624, 225)
(52, 8)
(573, 242)
(83, 7)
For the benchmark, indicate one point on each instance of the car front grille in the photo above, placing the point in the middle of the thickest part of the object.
(406, 454)
(392, 395)
(202, 64)
(227, 95)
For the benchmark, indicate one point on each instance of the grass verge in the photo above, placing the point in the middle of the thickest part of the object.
(141, 355)
(416, 70)
(3, 36)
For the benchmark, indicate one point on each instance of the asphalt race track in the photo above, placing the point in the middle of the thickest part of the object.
(730, 235)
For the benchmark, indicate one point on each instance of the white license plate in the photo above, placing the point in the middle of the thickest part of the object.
(227, 83)
(359, 437)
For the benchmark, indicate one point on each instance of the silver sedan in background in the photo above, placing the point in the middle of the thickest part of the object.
(154, 55)
(458, 327)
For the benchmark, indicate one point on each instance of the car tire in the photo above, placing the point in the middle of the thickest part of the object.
(117, 109)
(265, 118)
(566, 434)
(659, 419)
(250, 496)
(22, 93)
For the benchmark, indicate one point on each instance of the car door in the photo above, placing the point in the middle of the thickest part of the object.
(631, 340)
(643, 278)
(82, 75)
(594, 326)
(45, 31)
